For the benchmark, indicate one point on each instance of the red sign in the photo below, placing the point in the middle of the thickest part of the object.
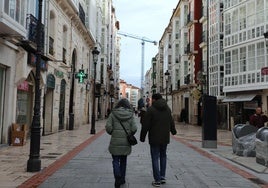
(264, 71)
(24, 86)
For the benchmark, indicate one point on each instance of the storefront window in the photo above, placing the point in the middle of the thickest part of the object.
(24, 104)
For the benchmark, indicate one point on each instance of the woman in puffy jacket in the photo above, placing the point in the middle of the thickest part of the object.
(119, 146)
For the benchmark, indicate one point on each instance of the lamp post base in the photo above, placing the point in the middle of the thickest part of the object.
(33, 165)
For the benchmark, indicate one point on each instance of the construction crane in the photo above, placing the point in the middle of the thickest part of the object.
(143, 40)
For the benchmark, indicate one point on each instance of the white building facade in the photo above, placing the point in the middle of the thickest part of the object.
(245, 56)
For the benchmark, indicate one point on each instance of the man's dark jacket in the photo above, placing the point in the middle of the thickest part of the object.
(159, 123)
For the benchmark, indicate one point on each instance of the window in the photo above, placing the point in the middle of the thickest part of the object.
(251, 14)
(185, 67)
(258, 77)
(243, 63)
(235, 21)
(253, 77)
(228, 62)
(244, 79)
(260, 12)
(235, 68)
(227, 21)
(260, 55)
(259, 31)
(242, 21)
(251, 57)
(16, 10)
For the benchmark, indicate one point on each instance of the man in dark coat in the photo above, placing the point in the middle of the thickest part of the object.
(158, 122)
(258, 119)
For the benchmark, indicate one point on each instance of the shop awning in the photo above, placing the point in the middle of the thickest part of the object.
(239, 98)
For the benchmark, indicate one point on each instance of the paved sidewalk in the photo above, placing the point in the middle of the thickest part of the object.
(78, 146)
(13, 159)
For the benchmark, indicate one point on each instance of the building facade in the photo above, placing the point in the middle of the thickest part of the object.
(70, 31)
(245, 55)
(130, 92)
(186, 59)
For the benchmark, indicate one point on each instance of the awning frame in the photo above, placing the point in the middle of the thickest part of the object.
(239, 98)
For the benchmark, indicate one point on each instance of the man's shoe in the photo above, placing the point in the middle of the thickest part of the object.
(163, 180)
(117, 182)
(156, 184)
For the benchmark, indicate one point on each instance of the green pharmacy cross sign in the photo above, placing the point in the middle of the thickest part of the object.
(81, 75)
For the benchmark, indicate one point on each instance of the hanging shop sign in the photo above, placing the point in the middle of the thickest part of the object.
(24, 86)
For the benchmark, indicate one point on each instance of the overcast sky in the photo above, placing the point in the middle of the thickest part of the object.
(143, 18)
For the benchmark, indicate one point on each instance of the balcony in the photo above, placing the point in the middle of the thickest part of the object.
(31, 27)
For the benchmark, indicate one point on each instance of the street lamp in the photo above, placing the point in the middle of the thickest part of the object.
(95, 53)
(34, 162)
(167, 76)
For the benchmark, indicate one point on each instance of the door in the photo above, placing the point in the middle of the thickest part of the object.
(186, 103)
(48, 111)
(62, 104)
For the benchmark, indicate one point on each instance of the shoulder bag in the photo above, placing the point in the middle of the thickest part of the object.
(131, 138)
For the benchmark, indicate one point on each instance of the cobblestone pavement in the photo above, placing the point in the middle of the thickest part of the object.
(77, 150)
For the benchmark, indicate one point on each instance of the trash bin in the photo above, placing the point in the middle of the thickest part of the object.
(262, 146)
(243, 140)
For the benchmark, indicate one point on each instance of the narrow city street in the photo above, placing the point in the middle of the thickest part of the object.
(188, 165)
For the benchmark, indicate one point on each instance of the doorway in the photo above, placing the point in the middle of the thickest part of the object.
(62, 104)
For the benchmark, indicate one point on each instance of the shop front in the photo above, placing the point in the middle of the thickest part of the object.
(241, 107)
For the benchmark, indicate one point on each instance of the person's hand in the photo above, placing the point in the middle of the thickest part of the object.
(174, 132)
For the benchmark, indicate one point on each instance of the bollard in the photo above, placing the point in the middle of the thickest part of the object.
(209, 128)
(262, 146)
